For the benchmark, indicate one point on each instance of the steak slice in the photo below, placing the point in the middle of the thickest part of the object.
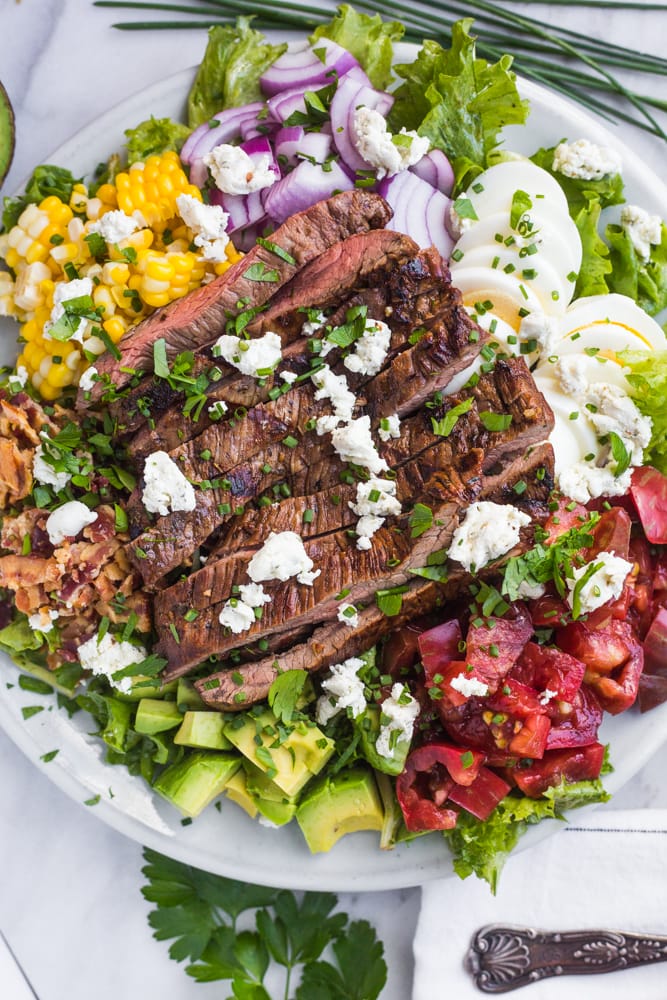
(344, 568)
(333, 642)
(200, 317)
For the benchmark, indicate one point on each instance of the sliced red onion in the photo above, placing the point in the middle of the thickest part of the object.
(349, 96)
(420, 211)
(357, 73)
(436, 170)
(313, 66)
(243, 209)
(304, 186)
(259, 125)
(291, 141)
(286, 103)
(204, 138)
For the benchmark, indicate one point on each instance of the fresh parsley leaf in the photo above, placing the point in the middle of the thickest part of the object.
(495, 421)
(260, 272)
(285, 692)
(620, 453)
(548, 563)
(446, 425)
(361, 972)
(420, 520)
(521, 203)
(160, 362)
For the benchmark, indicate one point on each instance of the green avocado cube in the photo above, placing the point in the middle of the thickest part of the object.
(194, 782)
(203, 730)
(270, 800)
(155, 716)
(236, 789)
(344, 803)
(187, 696)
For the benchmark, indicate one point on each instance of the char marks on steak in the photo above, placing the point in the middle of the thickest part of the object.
(200, 317)
(333, 642)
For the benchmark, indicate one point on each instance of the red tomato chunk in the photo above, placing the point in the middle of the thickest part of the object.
(580, 764)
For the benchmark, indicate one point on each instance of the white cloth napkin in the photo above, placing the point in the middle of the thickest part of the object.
(607, 871)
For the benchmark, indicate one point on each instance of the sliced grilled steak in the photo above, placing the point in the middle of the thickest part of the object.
(333, 642)
(344, 568)
(200, 317)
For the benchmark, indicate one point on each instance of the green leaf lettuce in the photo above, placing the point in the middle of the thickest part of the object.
(154, 136)
(369, 39)
(643, 281)
(648, 386)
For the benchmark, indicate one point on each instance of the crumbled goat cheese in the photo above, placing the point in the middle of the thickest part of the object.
(547, 696)
(487, 531)
(376, 496)
(354, 443)
(643, 229)
(570, 372)
(370, 349)
(583, 159)
(257, 357)
(18, 379)
(312, 326)
(105, 656)
(217, 410)
(616, 413)
(114, 226)
(348, 615)
(254, 595)
(165, 487)
(400, 710)
(208, 223)
(65, 291)
(583, 482)
(237, 616)
(387, 153)
(541, 328)
(67, 521)
(46, 474)
(334, 388)
(282, 556)
(43, 620)
(87, 380)
(390, 427)
(344, 690)
(289, 377)
(365, 528)
(234, 172)
(458, 224)
(606, 584)
(530, 591)
(469, 687)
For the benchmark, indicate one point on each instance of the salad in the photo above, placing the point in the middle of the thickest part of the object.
(295, 518)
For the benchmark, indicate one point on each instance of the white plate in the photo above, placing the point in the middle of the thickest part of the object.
(228, 842)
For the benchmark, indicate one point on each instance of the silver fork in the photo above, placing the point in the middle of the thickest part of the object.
(503, 958)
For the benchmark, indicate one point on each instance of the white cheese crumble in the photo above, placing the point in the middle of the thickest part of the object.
(530, 591)
(67, 521)
(616, 413)
(458, 224)
(390, 427)
(543, 329)
(114, 226)
(365, 528)
(547, 696)
(643, 229)
(217, 410)
(254, 595)
(87, 380)
(106, 656)
(237, 616)
(370, 350)
(585, 160)
(343, 689)
(208, 223)
(400, 711)
(583, 482)
(46, 474)
(571, 373)
(387, 153)
(606, 583)
(334, 388)
(65, 291)
(289, 377)
(165, 487)
(487, 531)
(281, 557)
(311, 326)
(469, 687)
(234, 172)
(376, 500)
(257, 357)
(354, 443)
(348, 615)
(18, 379)
(42, 621)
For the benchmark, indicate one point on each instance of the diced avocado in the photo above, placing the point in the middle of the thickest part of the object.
(7, 133)
(204, 730)
(198, 779)
(155, 716)
(290, 763)
(146, 687)
(187, 696)
(270, 800)
(342, 804)
(368, 725)
(236, 789)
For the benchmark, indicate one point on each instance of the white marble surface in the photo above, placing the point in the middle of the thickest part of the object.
(69, 891)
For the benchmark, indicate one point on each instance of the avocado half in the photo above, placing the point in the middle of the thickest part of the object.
(7, 133)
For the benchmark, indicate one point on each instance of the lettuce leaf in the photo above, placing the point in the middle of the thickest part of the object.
(580, 193)
(17, 639)
(235, 58)
(643, 281)
(481, 848)
(595, 263)
(156, 135)
(459, 101)
(369, 39)
(46, 180)
(648, 387)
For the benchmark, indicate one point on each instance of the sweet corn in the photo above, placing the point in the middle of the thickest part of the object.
(152, 188)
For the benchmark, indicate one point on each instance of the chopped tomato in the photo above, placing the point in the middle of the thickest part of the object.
(439, 646)
(493, 647)
(443, 681)
(602, 647)
(467, 725)
(648, 489)
(424, 785)
(575, 724)
(615, 660)
(483, 795)
(516, 699)
(580, 764)
(531, 739)
(517, 720)
(547, 669)
(611, 534)
(568, 515)
(401, 650)
(652, 691)
(549, 611)
(655, 645)
(660, 581)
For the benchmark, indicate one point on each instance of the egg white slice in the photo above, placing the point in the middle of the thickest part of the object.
(611, 323)
(535, 272)
(573, 437)
(506, 299)
(494, 189)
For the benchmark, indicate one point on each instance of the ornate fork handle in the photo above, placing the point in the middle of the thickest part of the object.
(503, 958)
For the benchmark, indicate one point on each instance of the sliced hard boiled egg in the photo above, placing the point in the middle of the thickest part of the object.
(573, 437)
(494, 189)
(486, 290)
(535, 272)
(610, 323)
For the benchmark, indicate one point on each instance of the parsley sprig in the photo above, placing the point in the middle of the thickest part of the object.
(550, 563)
(200, 914)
